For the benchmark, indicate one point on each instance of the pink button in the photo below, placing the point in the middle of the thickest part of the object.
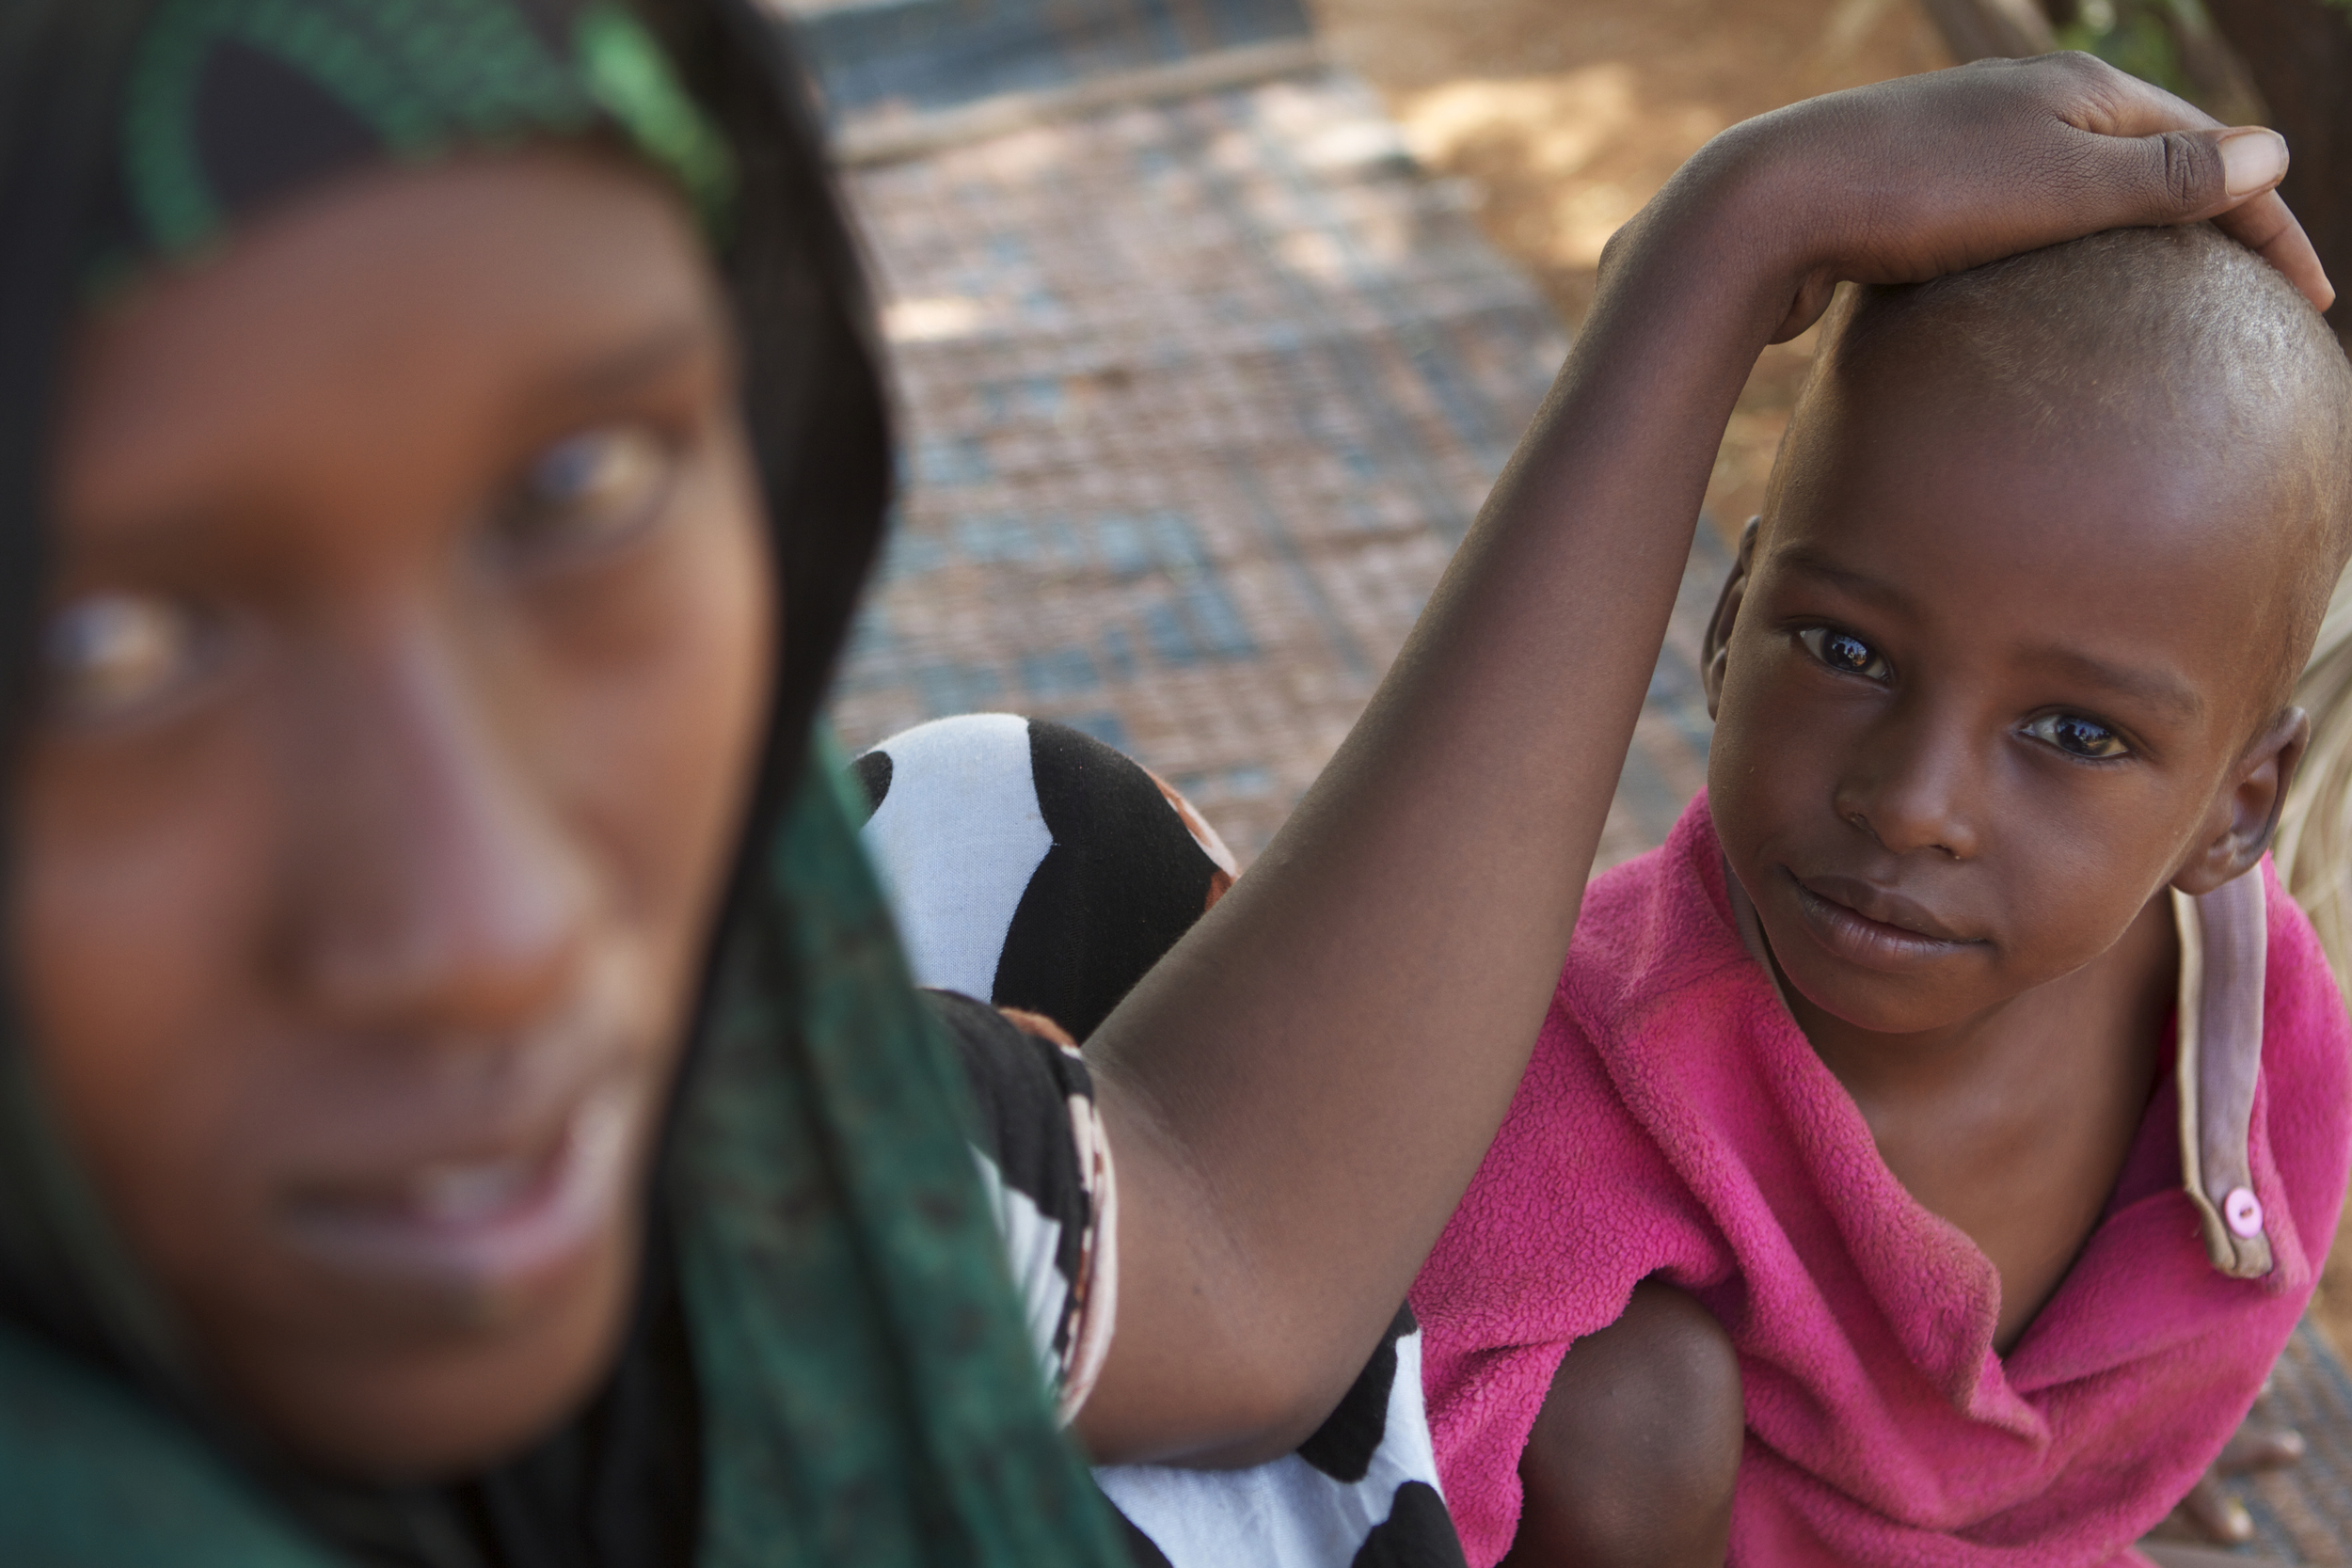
(2244, 1212)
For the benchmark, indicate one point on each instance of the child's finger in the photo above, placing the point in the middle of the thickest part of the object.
(2114, 103)
(2264, 226)
(2202, 168)
(2160, 160)
(2230, 176)
(2179, 174)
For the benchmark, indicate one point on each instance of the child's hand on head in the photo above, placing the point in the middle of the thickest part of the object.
(1933, 174)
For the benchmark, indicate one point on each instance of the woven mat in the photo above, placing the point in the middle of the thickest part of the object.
(2306, 1512)
(1199, 397)
(902, 57)
(2302, 1516)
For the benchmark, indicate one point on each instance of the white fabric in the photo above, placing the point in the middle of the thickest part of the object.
(1286, 1513)
(1032, 1240)
(957, 839)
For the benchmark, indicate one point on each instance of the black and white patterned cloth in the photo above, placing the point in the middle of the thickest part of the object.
(1037, 872)
(1047, 1170)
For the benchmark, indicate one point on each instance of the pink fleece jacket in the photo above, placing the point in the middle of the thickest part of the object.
(1673, 1121)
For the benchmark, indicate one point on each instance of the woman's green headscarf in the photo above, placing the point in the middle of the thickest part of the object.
(827, 1364)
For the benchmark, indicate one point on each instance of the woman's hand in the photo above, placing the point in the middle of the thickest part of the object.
(1926, 175)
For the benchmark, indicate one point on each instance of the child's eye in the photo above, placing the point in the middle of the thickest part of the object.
(590, 489)
(108, 655)
(1844, 652)
(2078, 737)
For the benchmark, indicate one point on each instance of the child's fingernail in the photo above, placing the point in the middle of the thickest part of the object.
(2252, 161)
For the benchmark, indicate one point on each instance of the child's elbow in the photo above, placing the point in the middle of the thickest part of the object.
(1634, 1454)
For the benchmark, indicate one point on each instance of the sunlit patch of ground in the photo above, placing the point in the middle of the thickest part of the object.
(1566, 115)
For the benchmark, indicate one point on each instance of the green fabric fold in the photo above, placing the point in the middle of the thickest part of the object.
(91, 1476)
(868, 1388)
(418, 78)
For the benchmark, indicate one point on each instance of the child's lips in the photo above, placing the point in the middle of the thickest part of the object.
(487, 1221)
(1870, 926)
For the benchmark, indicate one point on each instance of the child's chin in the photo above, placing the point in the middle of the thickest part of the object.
(1880, 1002)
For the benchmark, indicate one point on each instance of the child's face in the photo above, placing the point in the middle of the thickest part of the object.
(407, 660)
(1986, 694)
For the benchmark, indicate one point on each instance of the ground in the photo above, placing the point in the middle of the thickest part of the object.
(1565, 114)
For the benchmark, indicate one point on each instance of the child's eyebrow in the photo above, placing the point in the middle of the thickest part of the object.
(1815, 562)
(2158, 687)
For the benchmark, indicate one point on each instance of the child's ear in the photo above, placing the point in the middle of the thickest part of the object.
(2244, 818)
(1717, 646)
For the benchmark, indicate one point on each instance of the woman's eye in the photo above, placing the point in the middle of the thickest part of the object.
(111, 653)
(590, 489)
(1844, 652)
(2078, 737)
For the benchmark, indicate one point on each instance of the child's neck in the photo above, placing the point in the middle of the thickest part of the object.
(2014, 1124)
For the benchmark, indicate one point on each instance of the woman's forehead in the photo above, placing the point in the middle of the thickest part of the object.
(468, 294)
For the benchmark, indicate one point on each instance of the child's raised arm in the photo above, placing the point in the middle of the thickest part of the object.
(1302, 1091)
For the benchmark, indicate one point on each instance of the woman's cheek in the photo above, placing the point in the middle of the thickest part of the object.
(661, 734)
(137, 951)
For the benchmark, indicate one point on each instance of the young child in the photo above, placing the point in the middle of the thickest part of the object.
(1874, 1059)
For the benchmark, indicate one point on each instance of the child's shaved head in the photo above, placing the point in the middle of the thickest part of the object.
(2180, 334)
(2044, 547)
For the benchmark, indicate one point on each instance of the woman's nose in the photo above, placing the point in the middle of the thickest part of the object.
(1912, 786)
(440, 885)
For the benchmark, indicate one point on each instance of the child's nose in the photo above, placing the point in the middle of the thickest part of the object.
(441, 890)
(1911, 788)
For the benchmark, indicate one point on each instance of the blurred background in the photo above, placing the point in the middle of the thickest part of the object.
(1212, 321)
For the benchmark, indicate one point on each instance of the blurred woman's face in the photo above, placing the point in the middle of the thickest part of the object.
(407, 655)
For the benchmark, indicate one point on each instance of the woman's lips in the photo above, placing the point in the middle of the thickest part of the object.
(1870, 926)
(482, 1224)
